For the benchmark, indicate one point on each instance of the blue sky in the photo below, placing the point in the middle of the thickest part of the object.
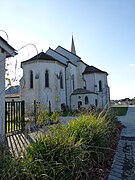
(104, 34)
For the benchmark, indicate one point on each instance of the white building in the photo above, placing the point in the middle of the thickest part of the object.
(5, 51)
(60, 78)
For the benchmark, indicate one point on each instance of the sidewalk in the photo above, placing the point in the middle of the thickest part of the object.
(123, 167)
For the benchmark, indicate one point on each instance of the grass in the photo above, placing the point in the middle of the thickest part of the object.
(120, 111)
(67, 152)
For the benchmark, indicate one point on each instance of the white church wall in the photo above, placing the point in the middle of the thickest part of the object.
(80, 69)
(70, 83)
(103, 95)
(90, 82)
(101, 77)
(81, 97)
(27, 93)
(53, 93)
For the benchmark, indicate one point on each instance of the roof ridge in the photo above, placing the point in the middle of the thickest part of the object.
(38, 57)
(68, 51)
(58, 53)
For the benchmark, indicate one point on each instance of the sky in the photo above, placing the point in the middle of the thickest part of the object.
(103, 31)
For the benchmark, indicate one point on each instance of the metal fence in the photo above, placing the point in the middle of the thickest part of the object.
(14, 116)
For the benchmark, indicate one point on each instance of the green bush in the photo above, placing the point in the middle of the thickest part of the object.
(67, 152)
(120, 111)
(43, 118)
(54, 117)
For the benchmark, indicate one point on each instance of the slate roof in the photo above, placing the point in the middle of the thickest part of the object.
(68, 51)
(41, 56)
(92, 69)
(81, 91)
(6, 43)
(67, 59)
(13, 90)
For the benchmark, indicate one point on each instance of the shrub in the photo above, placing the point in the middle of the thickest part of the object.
(67, 152)
(54, 117)
(120, 111)
(43, 118)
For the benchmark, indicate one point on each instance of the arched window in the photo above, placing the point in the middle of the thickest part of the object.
(79, 104)
(46, 78)
(31, 79)
(100, 86)
(96, 102)
(86, 100)
(61, 80)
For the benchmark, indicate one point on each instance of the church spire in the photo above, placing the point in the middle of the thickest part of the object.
(73, 46)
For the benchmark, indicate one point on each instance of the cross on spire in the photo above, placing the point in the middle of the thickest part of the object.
(73, 46)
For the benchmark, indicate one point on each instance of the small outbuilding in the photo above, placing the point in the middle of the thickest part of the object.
(6, 51)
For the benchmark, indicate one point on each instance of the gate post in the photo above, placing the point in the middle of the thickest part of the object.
(23, 115)
(6, 116)
(35, 111)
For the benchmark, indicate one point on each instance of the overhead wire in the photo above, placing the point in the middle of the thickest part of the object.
(13, 53)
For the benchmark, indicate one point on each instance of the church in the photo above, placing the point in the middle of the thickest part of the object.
(59, 79)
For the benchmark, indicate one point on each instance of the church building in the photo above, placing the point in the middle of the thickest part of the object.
(59, 79)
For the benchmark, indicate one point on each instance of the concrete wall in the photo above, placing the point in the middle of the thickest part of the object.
(2, 92)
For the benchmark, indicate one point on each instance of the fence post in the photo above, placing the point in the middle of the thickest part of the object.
(35, 111)
(6, 115)
(23, 114)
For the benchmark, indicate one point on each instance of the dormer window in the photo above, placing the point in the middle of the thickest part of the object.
(31, 79)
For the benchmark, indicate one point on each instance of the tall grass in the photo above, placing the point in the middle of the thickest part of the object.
(67, 152)
(120, 111)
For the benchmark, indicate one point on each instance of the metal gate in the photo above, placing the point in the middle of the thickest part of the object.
(14, 116)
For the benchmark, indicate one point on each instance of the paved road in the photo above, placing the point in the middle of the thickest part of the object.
(123, 167)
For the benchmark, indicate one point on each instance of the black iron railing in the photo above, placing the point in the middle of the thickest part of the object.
(14, 116)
